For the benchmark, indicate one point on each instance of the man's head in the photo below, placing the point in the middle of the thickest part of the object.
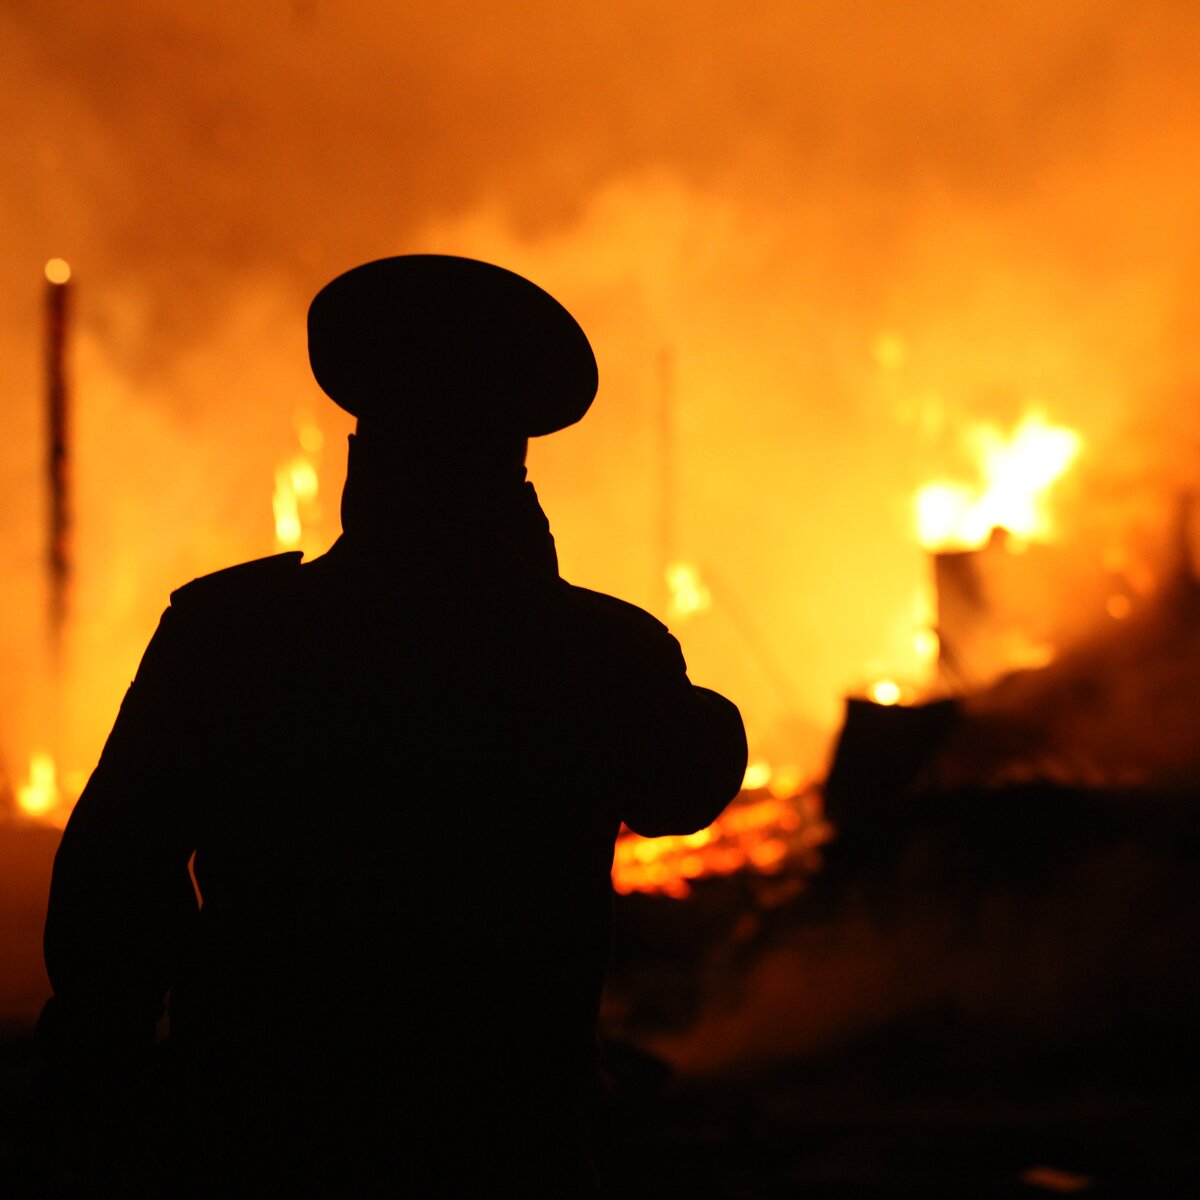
(450, 365)
(432, 346)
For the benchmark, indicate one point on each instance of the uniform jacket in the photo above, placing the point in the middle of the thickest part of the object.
(356, 816)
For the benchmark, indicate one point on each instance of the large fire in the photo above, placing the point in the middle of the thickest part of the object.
(776, 824)
(849, 230)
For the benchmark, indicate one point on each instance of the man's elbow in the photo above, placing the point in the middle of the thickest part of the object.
(702, 774)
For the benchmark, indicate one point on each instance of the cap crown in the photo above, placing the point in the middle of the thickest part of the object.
(446, 343)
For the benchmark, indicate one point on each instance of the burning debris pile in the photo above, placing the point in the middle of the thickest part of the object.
(1118, 710)
(773, 827)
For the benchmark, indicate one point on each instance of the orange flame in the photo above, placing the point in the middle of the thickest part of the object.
(1017, 472)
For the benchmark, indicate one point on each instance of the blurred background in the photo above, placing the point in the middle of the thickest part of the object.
(895, 307)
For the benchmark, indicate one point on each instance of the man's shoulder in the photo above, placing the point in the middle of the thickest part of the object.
(617, 628)
(609, 610)
(243, 581)
(628, 648)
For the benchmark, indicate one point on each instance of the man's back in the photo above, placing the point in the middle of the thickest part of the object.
(405, 824)
(402, 790)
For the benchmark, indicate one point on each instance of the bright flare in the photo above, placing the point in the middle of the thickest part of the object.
(41, 794)
(58, 271)
(926, 645)
(1017, 473)
(296, 483)
(287, 512)
(886, 691)
(758, 775)
(688, 594)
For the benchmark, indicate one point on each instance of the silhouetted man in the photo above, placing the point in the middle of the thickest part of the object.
(398, 772)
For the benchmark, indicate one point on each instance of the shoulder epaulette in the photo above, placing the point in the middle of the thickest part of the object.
(240, 578)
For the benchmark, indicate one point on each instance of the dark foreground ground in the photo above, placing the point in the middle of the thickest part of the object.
(979, 995)
(982, 993)
(829, 1130)
(841, 1128)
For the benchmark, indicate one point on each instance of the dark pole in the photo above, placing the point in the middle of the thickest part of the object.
(58, 462)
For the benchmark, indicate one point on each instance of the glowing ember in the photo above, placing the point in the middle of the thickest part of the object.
(58, 271)
(1017, 472)
(687, 591)
(41, 795)
(764, 834)
(886, 691)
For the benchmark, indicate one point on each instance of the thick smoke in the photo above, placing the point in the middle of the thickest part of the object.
(737, 206)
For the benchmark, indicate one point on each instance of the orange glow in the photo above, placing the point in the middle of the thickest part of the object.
(311, 437)
(785, 782)
(1016, 473)
(1119, 607)
(768, 855)
(889, 351)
